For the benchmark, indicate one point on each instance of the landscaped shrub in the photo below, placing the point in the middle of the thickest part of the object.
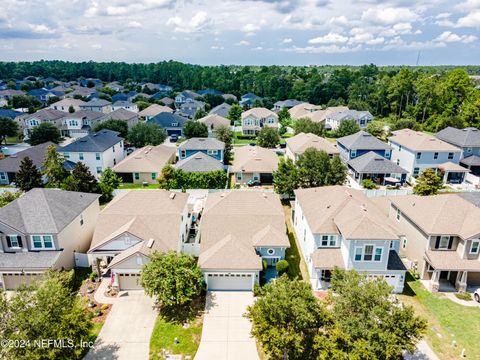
(464, 296)
(282, 266)
(369, 184)
(93, 276)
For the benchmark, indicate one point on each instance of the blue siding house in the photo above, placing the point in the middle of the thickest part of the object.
(209, 146)
(172, 123)
(359, 144)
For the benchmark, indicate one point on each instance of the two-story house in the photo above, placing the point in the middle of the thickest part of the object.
(247, 100)
(79, 123)
(334, 119)
(208, 146)
(50, 116)
(252, 230)
(44, 95)
(468, 140)
(441, 238)
(98, 151)
(44, 229)
(134, 224)
(184, 97)
(213, 122)
(360, 143)
(338, 227)
(416, 151)
(296, 145)
(255, 119)
(254, 165)
(288, 104)
(99, 105)
(172, 123)
(153, 110)
(129, 117)
(127, 105)
(67, 105)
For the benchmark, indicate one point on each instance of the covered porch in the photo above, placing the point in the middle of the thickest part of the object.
(472, 163)
(324, 261)
(453, 173)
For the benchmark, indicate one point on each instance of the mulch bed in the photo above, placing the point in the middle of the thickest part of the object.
(88, 295)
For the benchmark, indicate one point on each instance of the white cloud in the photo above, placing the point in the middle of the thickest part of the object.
(389, 15)
(250, 29)
(41, 29)
(327, 49)
(242, 43)
(339, 20)
(216, 47)
(97, 46)
(134, 24)
(468, 5)
(258, 48)
(330, 38)
(287, 41)
(449, 37)
(471, 20)
(198, 23)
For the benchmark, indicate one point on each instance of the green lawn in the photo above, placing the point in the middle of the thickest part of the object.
(138, 186)
(297, 267)
(164, 333)
(447, 320)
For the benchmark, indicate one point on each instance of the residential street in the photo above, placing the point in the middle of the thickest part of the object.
(226, 333)
(127, 330)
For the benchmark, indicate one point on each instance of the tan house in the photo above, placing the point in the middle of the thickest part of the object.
(441, 238)
(254, 165)
(134, 224)
(44, 229)
(213, 122)
(303, 110)
(144, 165)
(67, 103)
(255, 119)
(153, 110)
(239, 230)
(297, 145)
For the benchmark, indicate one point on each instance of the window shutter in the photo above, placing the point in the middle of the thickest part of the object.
(450, 243)
(9, 243)
(19, 239)
(437, 242)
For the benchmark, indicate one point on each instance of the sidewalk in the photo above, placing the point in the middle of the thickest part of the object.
(424, 352)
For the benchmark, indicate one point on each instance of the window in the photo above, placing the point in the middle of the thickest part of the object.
(114, 161)
(66, 155)
(450, 156)
(435, 155)
(3, 176)
(80, 156)
(404, 243)
(368, 253)
(398, 161)
(378, 254)
(329, 241)
(399, 148)
(475, 247)
(99, 169)
(271, 251)
(415, 172)
(239, 176)
(97, 156)
(136, 176)
(212, 152)
(81, 219)
(353, 153)
(391, 244)
(443, 242)
(174, 124)
(113, 148)
(387, 153)
(42, 242)
(139, 260)
(469, 150)
(358, 254)
(154, 176)
(14, 241)
(183, 153)
(419, 155)
(399, 214)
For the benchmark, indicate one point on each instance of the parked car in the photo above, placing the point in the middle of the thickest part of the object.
(173, 138)
(476, 295)
(253, 182)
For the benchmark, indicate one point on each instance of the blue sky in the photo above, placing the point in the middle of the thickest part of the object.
(297, 32)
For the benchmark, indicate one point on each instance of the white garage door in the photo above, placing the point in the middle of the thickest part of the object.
(222, 281)
(13, 281)
(129, 282)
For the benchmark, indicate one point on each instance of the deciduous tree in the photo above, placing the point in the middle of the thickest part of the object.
(428, 183)
(143, 134)
(235, 112)
(8, 127)
(195, 129)
(268, 137)
(224, 134)
(114, 125)
(306, 125)
(347, 127)
(43, 133)
(108, 182)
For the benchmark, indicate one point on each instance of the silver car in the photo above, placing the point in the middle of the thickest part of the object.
(476, 295)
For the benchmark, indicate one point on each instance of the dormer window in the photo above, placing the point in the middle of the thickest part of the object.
(42, 242)
(175, 124)
(475, 247)
(14, 241)
(450, 156)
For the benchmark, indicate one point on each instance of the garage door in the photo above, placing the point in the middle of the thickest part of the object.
(129, 282)
(13, 281)
(229, 281)
(266, 179)
(174, 132)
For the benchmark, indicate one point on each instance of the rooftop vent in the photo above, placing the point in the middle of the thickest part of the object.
(264, 195)
(150, 243)
(172, 195)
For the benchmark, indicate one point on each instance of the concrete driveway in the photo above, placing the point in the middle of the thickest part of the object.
(226, 333)
(127, 330)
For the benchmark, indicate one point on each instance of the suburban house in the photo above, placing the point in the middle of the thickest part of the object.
(134, 224)
(240, 230)
(334, 119)
(131, 118)
(416, 151)
(127, 97)
(339, 227)
(288, 104)
(115, 85)
(144, 165)
(468, 140)
(11, 165)
(296, 145)
(8, 94)
(254, 165)
(98, 151)
(85, 92)
(79, 123)
(255, 119)
(126, 105)
(248, 99)
(381, 171)
(441, 238)
(199, 162)
(153, 110)
(360, 143)
(165, 100)
(44, 95)
(208, 146)
(221, 110)
(67, 104)
(213, 122)
(44, 229)
(185, 96)
(85, 82)
(189, 108)
(171, 123)
(50, 116)
(209, 92)
(99, 105)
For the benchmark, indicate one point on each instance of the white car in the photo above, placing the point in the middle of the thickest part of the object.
(476, 295)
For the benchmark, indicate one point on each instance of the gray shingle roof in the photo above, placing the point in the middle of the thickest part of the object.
(202, 144)
(199, 162)
(363, 141)
(96, 102)
(468, 137)
(473, 197)
(45, 211)
(96, 142)
(46, 114)
(289, 103)
(394, 261)
(35, 153)
(472, 160)
(120, 114)
(29, 259)
(373, 163)
(221, 109)
(350, 114)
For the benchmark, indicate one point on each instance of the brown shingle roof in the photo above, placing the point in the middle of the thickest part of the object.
(418, 141)
(328, 258)
(301, 142)
(259, 112)
(449, 260)
(214, 120)
(254, 159)
(148, 159)
(154, 109)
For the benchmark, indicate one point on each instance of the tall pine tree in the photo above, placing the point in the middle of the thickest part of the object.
(28, 176)
(81, 179)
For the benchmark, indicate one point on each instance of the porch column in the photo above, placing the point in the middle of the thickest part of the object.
(435, 281)
(461, 283)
